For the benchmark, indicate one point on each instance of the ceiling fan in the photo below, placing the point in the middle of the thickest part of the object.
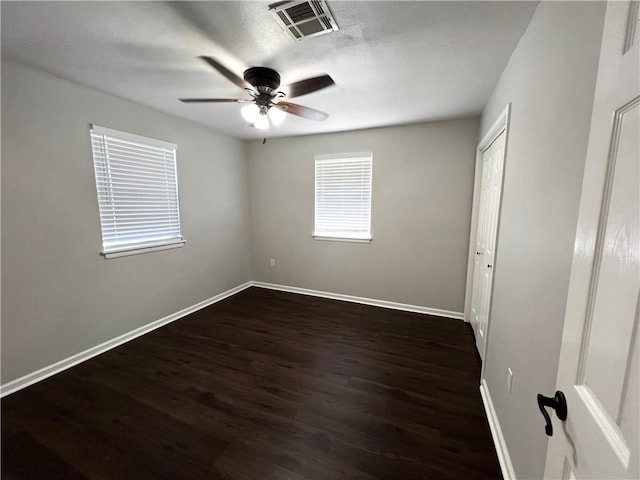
(267, 105)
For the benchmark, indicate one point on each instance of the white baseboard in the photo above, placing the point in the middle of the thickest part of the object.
(38, 375)
(41, 374)
(496, 432)
(366, 301)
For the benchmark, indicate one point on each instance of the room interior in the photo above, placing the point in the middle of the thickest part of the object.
(418, 84)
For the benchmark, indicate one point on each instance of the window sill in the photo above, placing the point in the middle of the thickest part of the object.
(342, 239)
(140, 250)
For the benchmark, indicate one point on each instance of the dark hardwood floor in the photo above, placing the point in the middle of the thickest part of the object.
(263, 385)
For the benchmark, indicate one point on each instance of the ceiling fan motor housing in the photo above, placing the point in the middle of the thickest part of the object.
(264, 79)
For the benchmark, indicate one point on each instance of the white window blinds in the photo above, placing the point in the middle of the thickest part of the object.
(343, 196)
(137, 187)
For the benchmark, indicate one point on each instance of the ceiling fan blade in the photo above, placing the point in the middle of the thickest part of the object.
(300, 111)
(297, 89)
(214, 100)
(228, 74)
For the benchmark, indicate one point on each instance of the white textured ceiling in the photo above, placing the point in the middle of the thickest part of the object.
(393, 62)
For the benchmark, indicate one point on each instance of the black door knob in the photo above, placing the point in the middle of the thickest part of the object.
(559, 403)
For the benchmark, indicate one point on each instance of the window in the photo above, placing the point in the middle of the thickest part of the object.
(137, 185)
(343, 197)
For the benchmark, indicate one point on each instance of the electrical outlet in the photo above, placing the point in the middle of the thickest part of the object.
(272, 262)
(509, 379)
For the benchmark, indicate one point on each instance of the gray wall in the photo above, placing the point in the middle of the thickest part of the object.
(421, 209)
(550, 81)
(59, 296)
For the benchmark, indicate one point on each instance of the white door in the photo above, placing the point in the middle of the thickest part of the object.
(488, 211)
(598, 369)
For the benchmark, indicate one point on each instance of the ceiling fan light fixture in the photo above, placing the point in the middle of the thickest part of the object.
(262, 121)
(276, 116)
(250, 112)
(266, 106)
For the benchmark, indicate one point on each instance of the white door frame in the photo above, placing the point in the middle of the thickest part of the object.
(500, 125)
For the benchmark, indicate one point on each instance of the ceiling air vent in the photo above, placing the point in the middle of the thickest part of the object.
(305, 18)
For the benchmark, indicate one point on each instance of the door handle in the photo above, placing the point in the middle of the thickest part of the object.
(559, 403)
(489, 266)
(478, 253)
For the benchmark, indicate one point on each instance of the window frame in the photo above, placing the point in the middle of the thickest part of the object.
(101, 163)
(343, 236)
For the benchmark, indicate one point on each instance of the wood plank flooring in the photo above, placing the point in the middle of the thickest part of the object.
(264, 385)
